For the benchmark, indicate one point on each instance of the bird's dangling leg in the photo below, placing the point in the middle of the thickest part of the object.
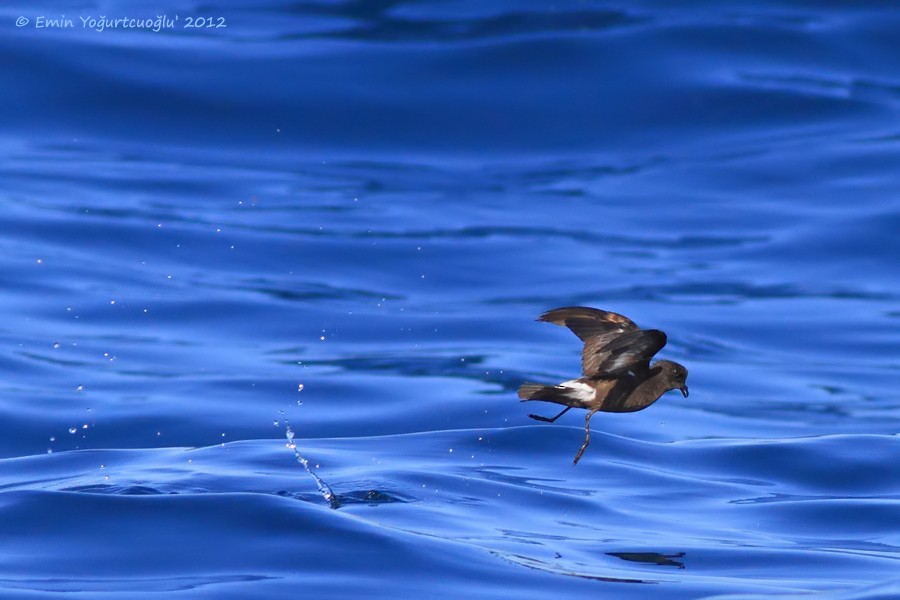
(587, 436)
(550, 419)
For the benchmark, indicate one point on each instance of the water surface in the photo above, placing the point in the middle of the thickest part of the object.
(344, 218)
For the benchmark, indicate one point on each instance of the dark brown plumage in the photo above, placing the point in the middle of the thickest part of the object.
(616, 372)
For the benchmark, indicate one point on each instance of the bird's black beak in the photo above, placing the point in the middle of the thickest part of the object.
(684, 390)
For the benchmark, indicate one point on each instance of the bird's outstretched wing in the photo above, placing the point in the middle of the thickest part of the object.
(607, 356)
(613, 343)
(586, 322)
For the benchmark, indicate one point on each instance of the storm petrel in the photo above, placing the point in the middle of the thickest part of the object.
(616, 372)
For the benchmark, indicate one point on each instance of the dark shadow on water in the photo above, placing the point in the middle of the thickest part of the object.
(381, 21)
(651, 558)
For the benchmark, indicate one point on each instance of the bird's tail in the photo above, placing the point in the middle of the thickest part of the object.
(558, 394)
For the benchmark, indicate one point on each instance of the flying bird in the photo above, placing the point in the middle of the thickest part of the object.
(615, 366)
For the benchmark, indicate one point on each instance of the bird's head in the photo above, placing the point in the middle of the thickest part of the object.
(675, 374)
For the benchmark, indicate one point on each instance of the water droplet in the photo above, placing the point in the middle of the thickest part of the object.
(49, 450)
(80, 388)
(72, 430)
(300, 388)
(85, 426)
(275, 422)
(56, 344)
(52, 438)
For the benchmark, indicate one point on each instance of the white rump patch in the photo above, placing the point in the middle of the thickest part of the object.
(579, 390)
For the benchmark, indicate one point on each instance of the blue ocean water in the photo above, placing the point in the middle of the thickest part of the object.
(343, 217)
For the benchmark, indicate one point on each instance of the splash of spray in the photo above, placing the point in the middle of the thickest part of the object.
(324, 489)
